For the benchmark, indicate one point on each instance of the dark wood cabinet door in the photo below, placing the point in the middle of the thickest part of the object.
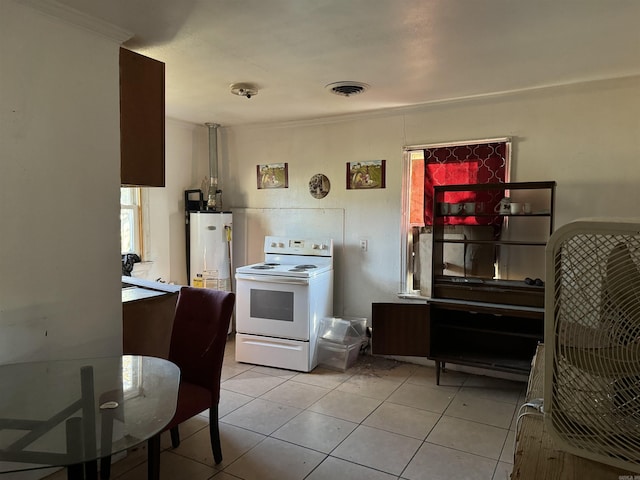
(142, 111)
(400, 329)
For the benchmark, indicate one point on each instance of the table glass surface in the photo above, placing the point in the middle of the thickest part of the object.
(114, 402)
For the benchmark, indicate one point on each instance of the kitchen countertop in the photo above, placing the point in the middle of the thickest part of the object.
(132, 294)
(134, 289)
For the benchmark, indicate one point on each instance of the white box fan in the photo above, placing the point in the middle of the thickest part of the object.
(592, 340)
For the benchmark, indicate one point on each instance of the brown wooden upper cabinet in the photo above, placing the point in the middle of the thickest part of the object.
(142, 120)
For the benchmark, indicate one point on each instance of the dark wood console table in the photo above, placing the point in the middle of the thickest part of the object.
(485, 335)
(478, 334)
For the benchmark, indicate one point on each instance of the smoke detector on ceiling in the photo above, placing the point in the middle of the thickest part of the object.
(244, 89)
(346, 89)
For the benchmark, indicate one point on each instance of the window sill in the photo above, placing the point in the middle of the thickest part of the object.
(413, 296)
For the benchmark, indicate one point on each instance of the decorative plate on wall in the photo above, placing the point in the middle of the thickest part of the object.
(319, 186)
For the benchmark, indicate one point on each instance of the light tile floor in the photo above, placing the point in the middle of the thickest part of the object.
(381, 419)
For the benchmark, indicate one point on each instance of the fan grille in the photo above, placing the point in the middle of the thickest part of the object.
(593, 402)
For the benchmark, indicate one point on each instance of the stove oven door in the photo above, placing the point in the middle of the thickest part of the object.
(274, 306)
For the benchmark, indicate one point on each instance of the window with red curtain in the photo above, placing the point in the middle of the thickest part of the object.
(460, 165)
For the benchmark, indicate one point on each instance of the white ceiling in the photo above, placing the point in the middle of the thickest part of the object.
(409, 51)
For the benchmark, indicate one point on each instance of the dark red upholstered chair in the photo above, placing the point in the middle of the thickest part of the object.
(198, 339)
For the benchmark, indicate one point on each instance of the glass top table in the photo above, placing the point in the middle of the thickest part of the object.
(67, 413)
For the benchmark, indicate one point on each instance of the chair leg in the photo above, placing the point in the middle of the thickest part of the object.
(175, 437)
(75, 472)
(105, 468)
(153, 459)
(214, 433)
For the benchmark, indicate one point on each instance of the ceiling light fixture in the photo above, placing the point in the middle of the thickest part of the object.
(244, 89)
(346, 89)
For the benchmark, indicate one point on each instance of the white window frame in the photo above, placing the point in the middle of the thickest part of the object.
(135, 208)
(407, 253)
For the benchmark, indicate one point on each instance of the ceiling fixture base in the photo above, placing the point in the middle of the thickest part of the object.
(244, 89)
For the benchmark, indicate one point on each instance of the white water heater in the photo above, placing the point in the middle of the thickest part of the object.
(210, 250)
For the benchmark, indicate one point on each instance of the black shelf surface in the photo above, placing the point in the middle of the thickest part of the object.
(495, 307)
(485, 282)
(495, 186)
(491, 242)
(485, 360)
(463, 215)
(501, 333)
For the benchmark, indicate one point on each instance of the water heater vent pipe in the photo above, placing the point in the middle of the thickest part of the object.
(213, 166)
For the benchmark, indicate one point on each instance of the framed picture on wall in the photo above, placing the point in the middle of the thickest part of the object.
(273, 175)
(366, 174)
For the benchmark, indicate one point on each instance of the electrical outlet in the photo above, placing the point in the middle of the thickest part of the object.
(363, 245)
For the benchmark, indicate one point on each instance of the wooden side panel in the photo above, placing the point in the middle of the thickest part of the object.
(400, 329)
(147, 325)
(142, 111)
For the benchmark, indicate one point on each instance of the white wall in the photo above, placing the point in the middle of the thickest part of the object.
(164, 243)
(585, 137)
(59, 188)
(374, 215)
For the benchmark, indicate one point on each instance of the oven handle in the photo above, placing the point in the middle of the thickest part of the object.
(273, 279)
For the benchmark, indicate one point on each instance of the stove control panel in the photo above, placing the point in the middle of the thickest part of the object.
(296, 246)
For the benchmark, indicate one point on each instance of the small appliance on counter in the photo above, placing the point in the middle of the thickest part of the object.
(128, 261)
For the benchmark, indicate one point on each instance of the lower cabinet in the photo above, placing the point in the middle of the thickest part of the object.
(489, 336)
(147, 322)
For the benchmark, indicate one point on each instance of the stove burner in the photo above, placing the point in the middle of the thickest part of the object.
(302, 268)
(271, 264)
(263, 267)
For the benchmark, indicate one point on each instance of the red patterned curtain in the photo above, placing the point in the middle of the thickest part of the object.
(465, 164)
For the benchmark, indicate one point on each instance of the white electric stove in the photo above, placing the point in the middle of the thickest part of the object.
(280, 302)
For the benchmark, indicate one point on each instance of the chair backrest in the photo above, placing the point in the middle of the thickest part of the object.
(199, 335)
